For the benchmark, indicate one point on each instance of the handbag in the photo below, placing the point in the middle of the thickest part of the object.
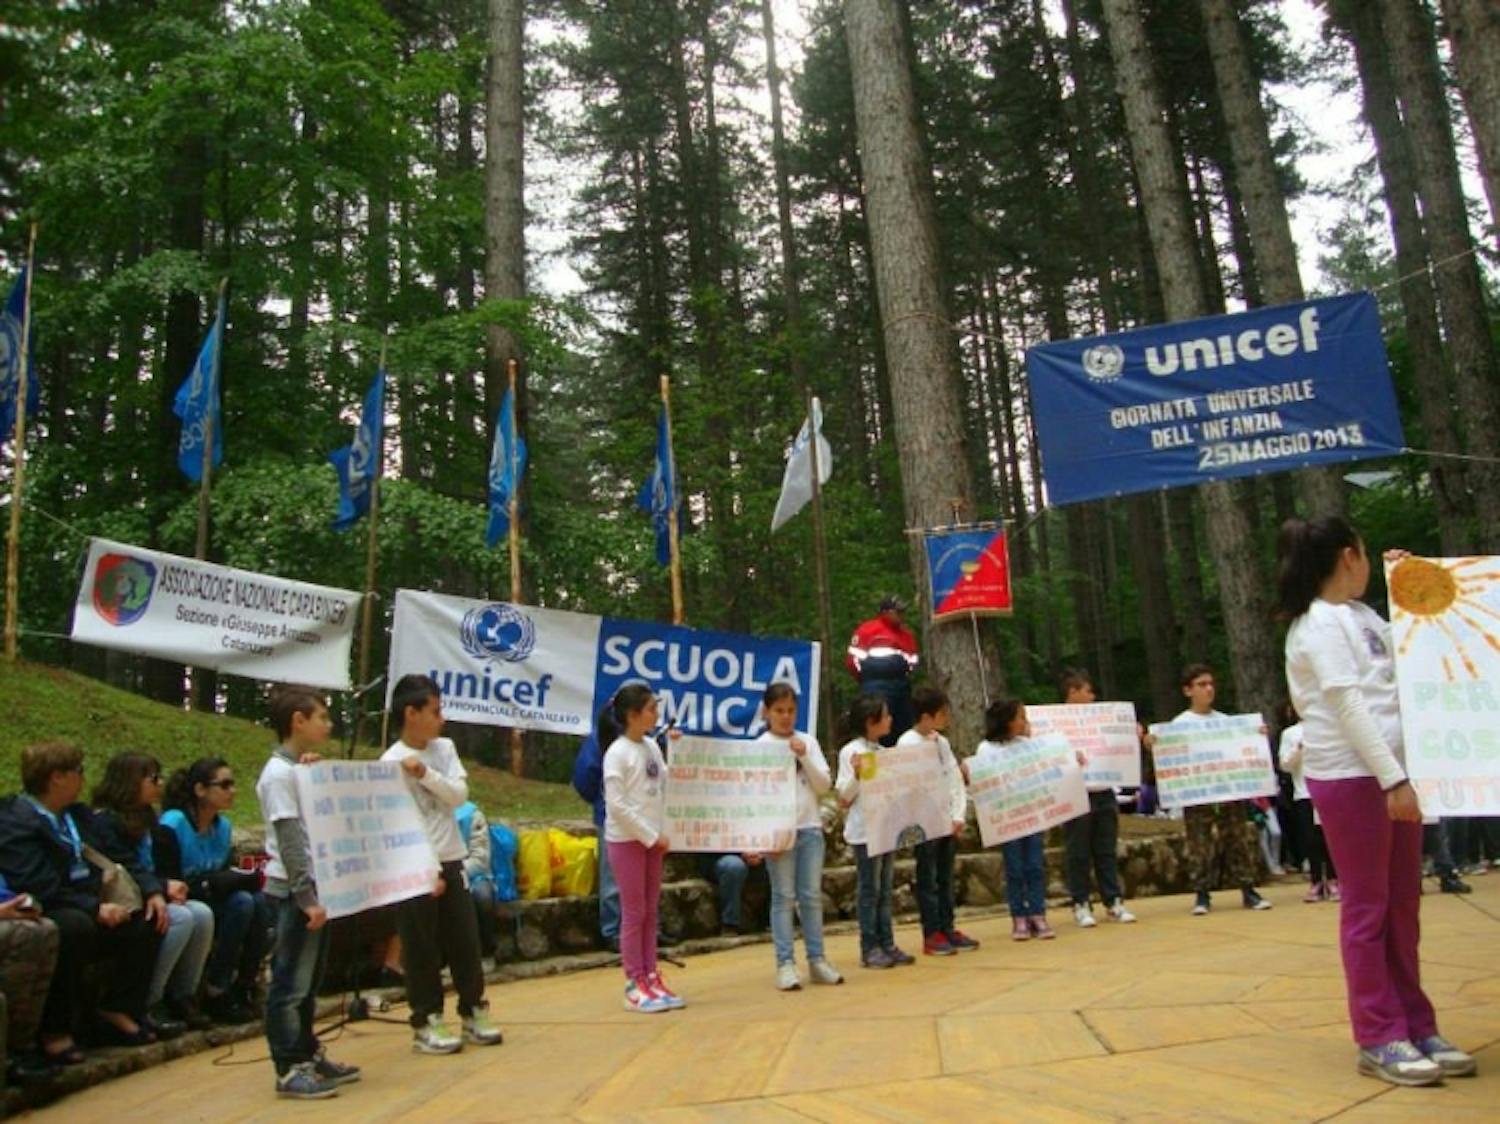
(116, 886)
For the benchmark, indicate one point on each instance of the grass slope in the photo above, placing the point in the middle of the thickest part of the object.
(41, 703)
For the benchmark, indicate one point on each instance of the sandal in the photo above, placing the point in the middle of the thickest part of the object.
(109, 1034)
(71, 1056)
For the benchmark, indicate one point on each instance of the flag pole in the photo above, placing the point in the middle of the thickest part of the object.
(206, 464)
(367, 606)
(13, 543)
(673, 538)
(820, 565)
(517, 744)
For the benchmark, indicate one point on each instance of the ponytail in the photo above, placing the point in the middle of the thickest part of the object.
(1308, 552)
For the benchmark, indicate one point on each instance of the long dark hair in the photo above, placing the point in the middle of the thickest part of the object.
(1307, 553)
(182, 786)
(120, 792)
(998, 717)
(865, 709)
(630, 699)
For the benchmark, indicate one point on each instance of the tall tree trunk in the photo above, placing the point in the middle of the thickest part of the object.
(1259, 193)
(1474, 33)
(1241, 590)
(903, 238)
(504, 199)
(1408, 30)
(1431, 369)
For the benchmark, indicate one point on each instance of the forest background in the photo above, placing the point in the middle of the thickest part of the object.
(936, 185)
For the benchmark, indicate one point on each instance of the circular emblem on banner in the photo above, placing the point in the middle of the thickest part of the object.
(498, 632)
(1103, 362)
(122, 588)
(911, 836)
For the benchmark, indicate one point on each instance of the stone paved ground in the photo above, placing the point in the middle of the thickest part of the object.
(1236, 1016)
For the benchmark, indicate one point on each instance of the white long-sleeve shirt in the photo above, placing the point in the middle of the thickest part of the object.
(848, 788)
(1291, 760)
(953, 778)
(442, 788)
(635, 792)
(812, 778)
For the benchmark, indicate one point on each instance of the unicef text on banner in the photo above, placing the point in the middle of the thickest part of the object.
(725, 796)
(156, 604)
(369, 846)
(1445, 622)
(1178, 404)
(1106, 734)
(903, 797)
(543, 669)
(1212, 760)
(1031, 785)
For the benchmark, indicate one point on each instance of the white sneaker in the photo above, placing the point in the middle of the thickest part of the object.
(1400, 1063)
(480, 1029)
(640, 998)
(1084, 916)
(823, 972)
(1118, 912)
(436, 1037)
(787, 978)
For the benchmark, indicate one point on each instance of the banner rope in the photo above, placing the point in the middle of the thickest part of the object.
(1451, 456)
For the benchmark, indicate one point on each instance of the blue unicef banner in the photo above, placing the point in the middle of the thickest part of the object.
(1262, 391)
(543, 669)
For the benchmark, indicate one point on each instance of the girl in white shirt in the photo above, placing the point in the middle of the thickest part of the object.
(635, 823)
(1005, 729)
(797, 873)
(1323, 880)
(1341, 672)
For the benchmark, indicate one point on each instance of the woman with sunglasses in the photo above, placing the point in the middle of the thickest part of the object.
(125, 811)
(197, 799)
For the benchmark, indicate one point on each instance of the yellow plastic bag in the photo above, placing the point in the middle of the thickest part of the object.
(575, 864)
(534, 865)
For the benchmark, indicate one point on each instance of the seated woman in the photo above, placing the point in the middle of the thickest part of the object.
(46, 837)
(196, 800)
(124, 806)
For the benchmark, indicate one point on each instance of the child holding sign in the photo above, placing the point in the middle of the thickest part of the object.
(1092, 839)
(797, 873)
(1341, 671)
(936, 857)
(869, 721)
(635, 823)
(1005, 727)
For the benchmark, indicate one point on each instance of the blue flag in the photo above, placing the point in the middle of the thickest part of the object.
(358, 463)
(197, 404)
(507, 464)
(659, 494)
(12, 319)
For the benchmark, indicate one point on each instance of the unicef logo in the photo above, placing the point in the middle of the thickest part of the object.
(1103, 362)
(498, 632)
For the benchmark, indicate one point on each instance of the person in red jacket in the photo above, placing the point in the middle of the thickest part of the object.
(882, 656)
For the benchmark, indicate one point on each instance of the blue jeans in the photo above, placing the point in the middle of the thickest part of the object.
(935, 884)
(241, 923)
(296, 972)
(729, 873)
(482, 890)
(797, 877)
(182, 953)
(877, 879)
(609, 895)
(1025, 884)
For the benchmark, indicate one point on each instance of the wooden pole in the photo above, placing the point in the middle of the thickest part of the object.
(820, 566)
(13, 543)
(367, 606)
(517, 742)
(206, 466)
(679, 614)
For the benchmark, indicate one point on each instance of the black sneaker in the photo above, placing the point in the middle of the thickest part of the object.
(1453, 884)
(1202, 904)
(334, 1073)
(162, 1023)
(1253, 900)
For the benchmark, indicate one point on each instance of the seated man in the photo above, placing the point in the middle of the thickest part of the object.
(730, 872)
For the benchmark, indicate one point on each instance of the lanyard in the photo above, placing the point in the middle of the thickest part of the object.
(63, 825)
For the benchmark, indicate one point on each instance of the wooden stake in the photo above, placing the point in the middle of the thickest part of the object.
(17, 480)
(367, 607)
(820, 567)
(206, 465)
(679, 614)
(517, 742)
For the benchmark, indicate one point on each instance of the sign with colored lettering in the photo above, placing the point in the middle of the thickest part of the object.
(1445, 622)
(969, 572)
(499, 664)
(903, 796)
(1105, 732)
(1261, 391)
(1212, 760)
(727, 795)
(369, 847)
(1025, 786)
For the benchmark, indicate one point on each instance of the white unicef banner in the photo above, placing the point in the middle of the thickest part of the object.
(1212, 760)
(1035, 783)
(1105, 732)
(249, 624)
(727, 795)
(903, 797)
(369, 847)
(496, 664)
(1445, 616)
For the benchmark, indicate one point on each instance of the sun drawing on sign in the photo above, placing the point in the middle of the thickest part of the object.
(1444, 596)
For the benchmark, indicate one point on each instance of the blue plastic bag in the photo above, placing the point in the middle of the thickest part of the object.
(503, 847)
